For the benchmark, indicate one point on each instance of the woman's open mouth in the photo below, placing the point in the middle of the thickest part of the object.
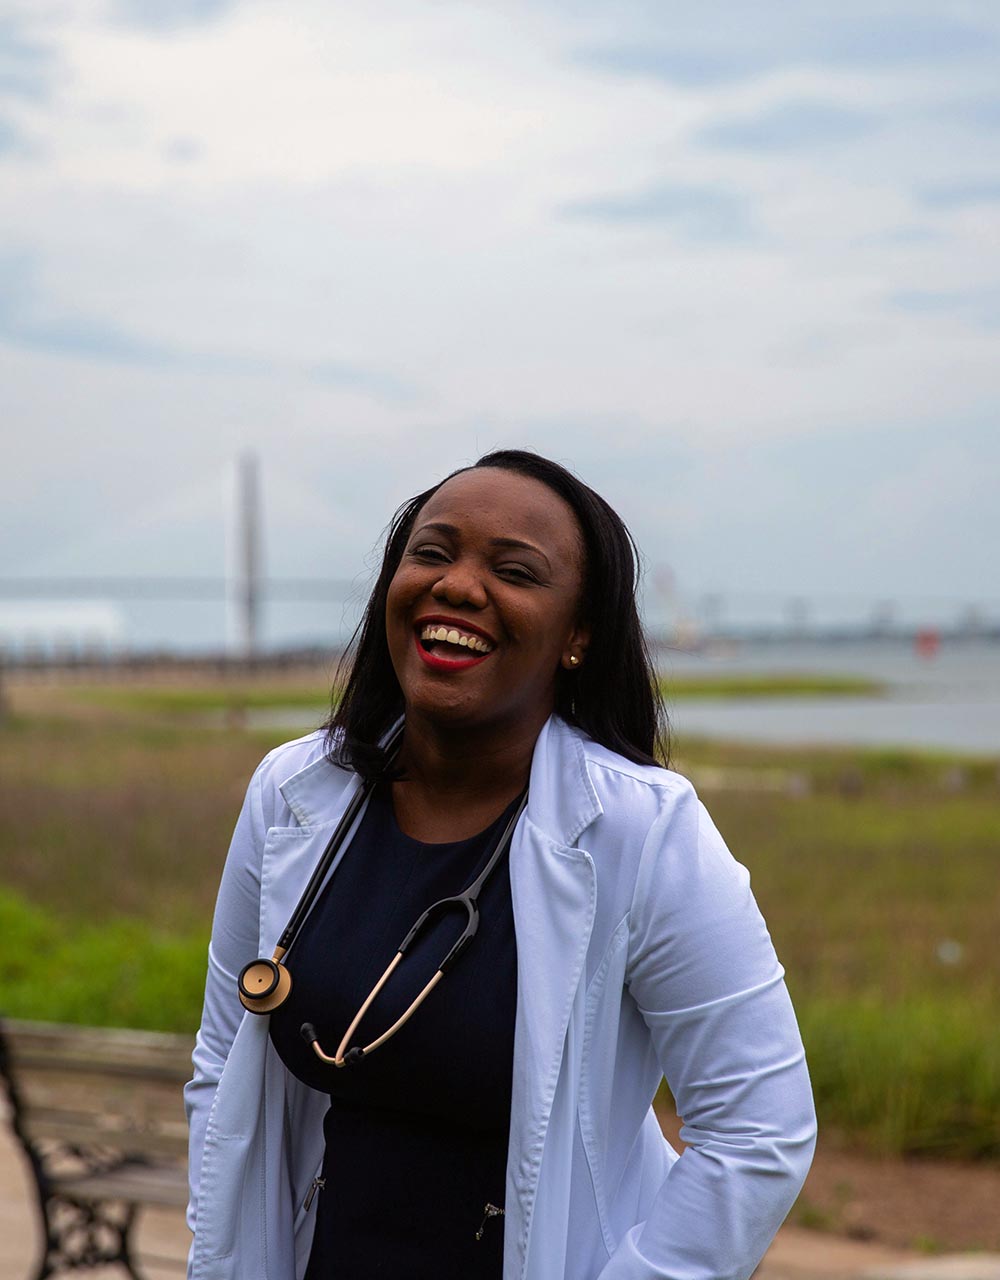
(449, 648)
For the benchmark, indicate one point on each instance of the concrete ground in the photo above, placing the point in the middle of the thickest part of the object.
(796, 1254)
(161, 1232)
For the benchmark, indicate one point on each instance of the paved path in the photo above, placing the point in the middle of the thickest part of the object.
(795, 1255)
(161, 1232)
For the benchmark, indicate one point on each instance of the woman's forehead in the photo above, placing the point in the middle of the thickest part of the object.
(503, 503)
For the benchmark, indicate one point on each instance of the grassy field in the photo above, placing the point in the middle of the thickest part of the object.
(877, 872)
(237, 696)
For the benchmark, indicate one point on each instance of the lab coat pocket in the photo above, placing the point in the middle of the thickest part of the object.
(231, 1159)
(224, 1174)
(601, 1033)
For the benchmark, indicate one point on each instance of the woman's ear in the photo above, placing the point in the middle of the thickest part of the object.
(576, 649)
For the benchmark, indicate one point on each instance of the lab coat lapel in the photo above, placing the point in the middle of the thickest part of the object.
(317, 796)
(554, 892)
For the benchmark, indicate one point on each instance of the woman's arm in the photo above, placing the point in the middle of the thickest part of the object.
(709, 986)
(235, 932)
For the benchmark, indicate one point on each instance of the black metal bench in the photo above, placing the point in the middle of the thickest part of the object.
(100, 1117)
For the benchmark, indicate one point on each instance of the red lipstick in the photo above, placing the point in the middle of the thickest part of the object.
(437, 662)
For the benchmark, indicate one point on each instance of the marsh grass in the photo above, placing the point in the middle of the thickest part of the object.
(775, 685)
(917, 1076)
(100, 819)
(242, 695)
(233, 696)
(878, 878)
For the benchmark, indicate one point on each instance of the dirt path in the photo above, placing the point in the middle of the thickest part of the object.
(927, 1206)
(932, 1206)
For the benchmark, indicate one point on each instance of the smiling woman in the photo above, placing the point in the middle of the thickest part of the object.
(494, 558)
(484, 887)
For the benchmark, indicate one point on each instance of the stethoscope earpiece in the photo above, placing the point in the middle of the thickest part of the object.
(311, 1036)
(264, 984)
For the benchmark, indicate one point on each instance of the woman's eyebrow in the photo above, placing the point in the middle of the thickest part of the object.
(439, 525)
(516, 542)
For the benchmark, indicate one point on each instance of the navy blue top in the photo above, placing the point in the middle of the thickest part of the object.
(416, 1134)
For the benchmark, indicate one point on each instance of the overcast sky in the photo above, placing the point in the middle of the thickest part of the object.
(736, 264)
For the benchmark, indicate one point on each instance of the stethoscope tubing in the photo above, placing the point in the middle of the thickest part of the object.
(467, 899)
(318, 876)
(264, 984)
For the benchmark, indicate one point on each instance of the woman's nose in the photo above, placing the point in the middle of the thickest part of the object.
(460, 583)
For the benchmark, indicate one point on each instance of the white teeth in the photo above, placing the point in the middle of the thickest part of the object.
(451, 635)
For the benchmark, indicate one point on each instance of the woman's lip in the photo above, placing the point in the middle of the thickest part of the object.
(459, 624)
(437, 663)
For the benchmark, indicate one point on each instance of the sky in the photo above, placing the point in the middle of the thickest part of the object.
(737, 265)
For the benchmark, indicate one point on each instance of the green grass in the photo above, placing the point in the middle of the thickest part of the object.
(916, 1076)
(768, 686)
(885, 770)
(241, 695)
(167, 701)
(117, 973)
(878, 878)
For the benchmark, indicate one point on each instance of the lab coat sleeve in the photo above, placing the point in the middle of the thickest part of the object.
(234, 941)
(711, 991)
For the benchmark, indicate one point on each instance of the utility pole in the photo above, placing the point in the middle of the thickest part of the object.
(797, 615)
(711, 613)
(248, 584)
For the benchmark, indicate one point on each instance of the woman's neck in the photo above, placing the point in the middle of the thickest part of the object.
(456, 782)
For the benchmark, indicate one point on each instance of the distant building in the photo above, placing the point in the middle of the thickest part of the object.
(60, 629)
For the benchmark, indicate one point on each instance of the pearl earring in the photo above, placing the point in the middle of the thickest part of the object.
(573, 660)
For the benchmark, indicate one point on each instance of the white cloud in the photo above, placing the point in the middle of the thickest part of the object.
(376, 192)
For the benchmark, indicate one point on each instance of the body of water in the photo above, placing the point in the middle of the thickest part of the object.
(947, 701)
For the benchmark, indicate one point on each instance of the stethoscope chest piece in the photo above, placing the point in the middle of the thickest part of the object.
(264, 985)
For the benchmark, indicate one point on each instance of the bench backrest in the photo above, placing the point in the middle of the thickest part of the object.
(98, 1087)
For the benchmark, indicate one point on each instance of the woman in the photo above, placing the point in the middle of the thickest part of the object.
(504, 1130)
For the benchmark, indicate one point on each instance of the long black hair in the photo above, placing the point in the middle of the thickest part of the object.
(613, 697)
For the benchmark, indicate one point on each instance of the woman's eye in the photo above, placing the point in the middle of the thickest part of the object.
(516, 572)
(428, 553)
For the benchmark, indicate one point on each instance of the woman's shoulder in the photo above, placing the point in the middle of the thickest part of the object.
(288, 758)
(635, 798)
(611, 772)
(657, 778)
(656, 832)
(626, 798)
(294, 777)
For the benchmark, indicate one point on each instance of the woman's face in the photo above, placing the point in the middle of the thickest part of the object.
(484, 607)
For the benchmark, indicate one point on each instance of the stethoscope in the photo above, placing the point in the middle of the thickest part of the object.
(264, 985)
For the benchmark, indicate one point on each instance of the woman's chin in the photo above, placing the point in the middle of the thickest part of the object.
(447, 708)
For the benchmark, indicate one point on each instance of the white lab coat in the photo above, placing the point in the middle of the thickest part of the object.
(640, 953)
